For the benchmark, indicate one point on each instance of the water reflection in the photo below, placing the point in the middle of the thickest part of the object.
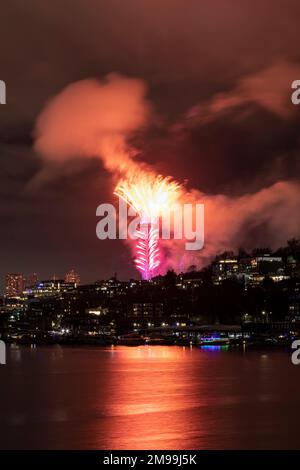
(215, 348)
(148, 397)
(150, 401)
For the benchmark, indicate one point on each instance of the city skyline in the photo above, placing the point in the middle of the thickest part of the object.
(227, 260)
(230, 132)
(150, 231)
(249, 291)
(18, 282)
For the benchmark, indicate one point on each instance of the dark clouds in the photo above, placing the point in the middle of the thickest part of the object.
(197, 57)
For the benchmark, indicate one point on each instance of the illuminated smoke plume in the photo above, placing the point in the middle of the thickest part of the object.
(94, 118)
(269, 88)
(231, 222)
(97, 118)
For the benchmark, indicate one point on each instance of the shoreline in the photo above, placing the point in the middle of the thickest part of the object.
(229, 347)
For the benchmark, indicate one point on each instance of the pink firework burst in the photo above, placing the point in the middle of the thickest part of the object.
(150, 196)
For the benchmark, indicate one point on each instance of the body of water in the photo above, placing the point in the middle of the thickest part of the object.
(148, 397)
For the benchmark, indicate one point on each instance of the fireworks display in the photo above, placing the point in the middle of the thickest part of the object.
(147, 250)
(150, 196)
(101, 118)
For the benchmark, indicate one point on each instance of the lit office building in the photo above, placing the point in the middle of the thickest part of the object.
(14, 285)
(72, 277)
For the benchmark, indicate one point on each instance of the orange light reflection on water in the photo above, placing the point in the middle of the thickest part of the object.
(150, 405)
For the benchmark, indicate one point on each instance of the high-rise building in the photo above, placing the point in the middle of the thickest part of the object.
(73, 277)
(15, 284)
(31, 280)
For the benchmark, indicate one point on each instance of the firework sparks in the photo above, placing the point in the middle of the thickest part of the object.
(150, 196)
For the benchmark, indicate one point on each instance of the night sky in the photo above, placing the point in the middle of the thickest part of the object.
(219, 77)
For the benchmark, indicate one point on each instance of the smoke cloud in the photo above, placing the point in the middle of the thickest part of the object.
(94, 118)
(269, 88)
(98, 118)
(231, 223)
